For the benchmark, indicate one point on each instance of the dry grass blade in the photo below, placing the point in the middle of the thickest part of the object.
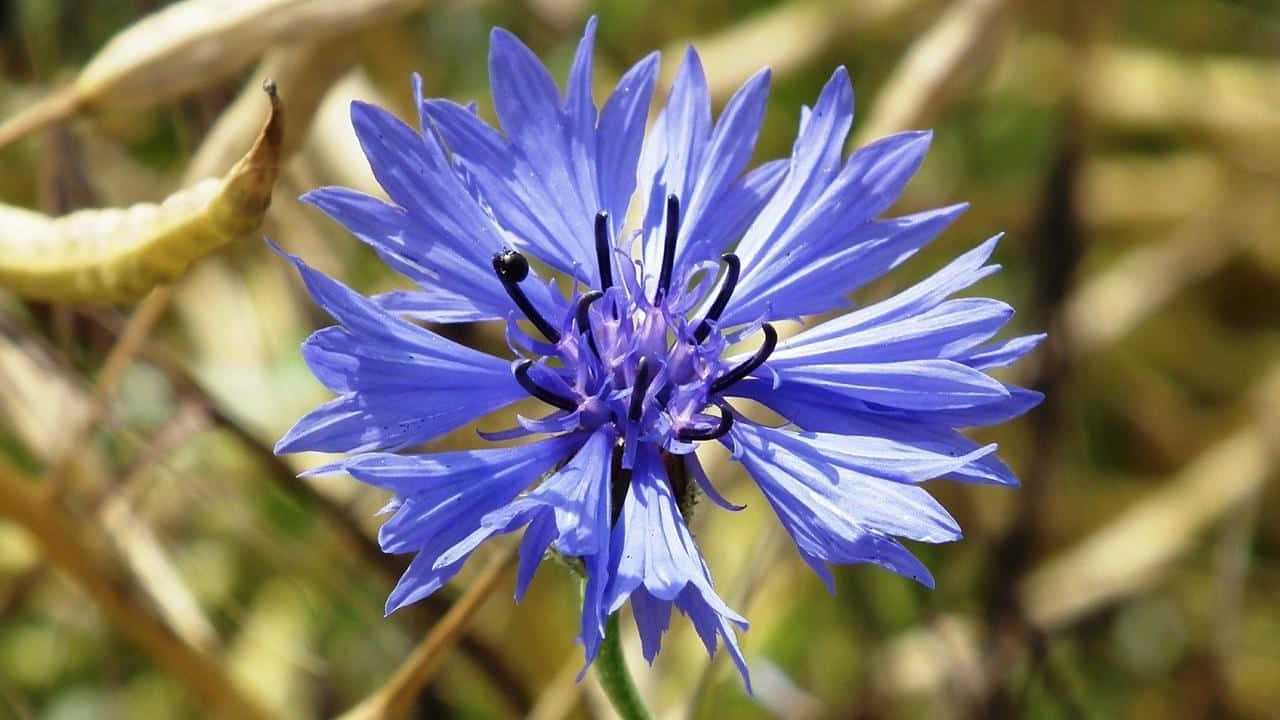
(39, 399)
(76, 430)
(961, 39)
(63, 544)
(117, 255)
(1133, 287)
(192, 43)
(784, 39)
(143, 551)
(1227, 98)
(304, 73)
(560, 696)
(61, 441)
(395, 698)
(1163, 526)
(1154, 533)
(333, 149)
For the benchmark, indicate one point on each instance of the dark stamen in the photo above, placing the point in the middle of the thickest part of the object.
(732, 266)
(604, 250)
(719, 431)
(619, 481)
(512, 268)
(639, 389)
(536, 390)
(724, 382)
(669, 248)
(584, 322)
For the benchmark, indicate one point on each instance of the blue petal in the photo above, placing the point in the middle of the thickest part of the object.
(653, 552)
(528, 107)
(710, 624)
(834, 222)
(672, 154)
(1002, 354)
(570, 509)
(576, 496)
(814, 409)
(734, 211)
(653, 617)
(579, 107)
(443, 498)
(907, 384)
(442, 491)
(345, 362)
(419, 581)
(621, 135)
(531, 217)
(524, 94)
(703, 167)
(579, 495)
(814, 163)
(868, 183)
(445, 231)
(579, 129)
(403, 384)
(730, 147)
(922, 297)
(537, 538)
(847, 521)
(433, 304)
(403, 246)
(594, 610)
(455, 471)
(415, 172)
(1020, 401)
(946, 331)
(817, 282)
(884, 458)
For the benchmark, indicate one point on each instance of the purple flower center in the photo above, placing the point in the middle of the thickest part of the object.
(639, 363)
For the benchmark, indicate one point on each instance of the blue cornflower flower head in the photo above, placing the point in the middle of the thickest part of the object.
(635, 363)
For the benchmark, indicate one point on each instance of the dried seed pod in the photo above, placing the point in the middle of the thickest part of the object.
(116, 255)
(191, 44)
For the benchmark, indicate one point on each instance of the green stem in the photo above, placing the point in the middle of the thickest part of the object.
(611, 669)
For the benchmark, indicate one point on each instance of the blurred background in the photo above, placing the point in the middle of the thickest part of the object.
(156, 561)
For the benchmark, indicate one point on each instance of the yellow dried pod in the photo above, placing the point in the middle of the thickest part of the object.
(116, 255)
(191, 44)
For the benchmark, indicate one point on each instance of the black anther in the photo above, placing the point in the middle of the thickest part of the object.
(724, 382)
(536, 390)
(669, 248)
(584, 321)
(732, 267)
(639, 389)
(719, 431)
(512, 268)
(604, 250)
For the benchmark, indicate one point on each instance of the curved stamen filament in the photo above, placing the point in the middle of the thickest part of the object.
(536, 390)
(724, 382)
(512, 268)
(732, 267)
(669, 248)
(639, 389)
(604, 250)
(584, 321)
(719, 431)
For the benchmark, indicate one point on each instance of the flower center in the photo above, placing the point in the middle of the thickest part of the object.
(619, 358)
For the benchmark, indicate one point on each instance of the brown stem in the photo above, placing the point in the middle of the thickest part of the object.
(396, 698)
(62, 543)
